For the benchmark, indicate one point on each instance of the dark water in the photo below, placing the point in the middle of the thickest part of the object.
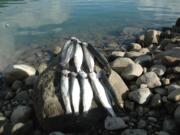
(44, 22)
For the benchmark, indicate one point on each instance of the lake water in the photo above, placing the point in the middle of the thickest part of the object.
(45, 22)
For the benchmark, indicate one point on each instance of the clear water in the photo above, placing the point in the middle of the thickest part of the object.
(46, 22)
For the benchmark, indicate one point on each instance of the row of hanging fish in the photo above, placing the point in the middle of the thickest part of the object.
(78, 85)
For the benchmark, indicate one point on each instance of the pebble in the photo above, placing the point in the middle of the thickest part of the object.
(177, 114)
(149, 78)
(161, 91)
(118, 54)
(144, 60)
(114, 123)
(158, 69)
(134, 132)
(21, 114)
(133, 54)
(56, 50)
(174, 95)
(156, 100)
(135, 47)
(141, 124)
(140, 96)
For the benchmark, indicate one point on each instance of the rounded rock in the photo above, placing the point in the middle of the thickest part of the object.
(158, 69)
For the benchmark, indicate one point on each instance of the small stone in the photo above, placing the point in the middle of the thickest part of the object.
(165, 81)
(2, 118)
(131, 71)
(133, 54)
(144, 50)
(56, 50)
(152, 119)
(156, 100)
(169, 125)
(144, 60)
(134, 132)
(114, 123)
(143, 86)
(118, 54)
(158, 69)
(17, 85)
(135, 47)
(21, 114)
(177, 114)
(149, 78)
(129, 105)
(140, 96)
(120, 64)
(162, 133)
(141, 124)
(176, 69)
(161, 91)
(151, 37)
(56, 133)
(174, 96)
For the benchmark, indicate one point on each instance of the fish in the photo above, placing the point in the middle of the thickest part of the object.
(64, 81)
(100, 93)
(100, 58)
(89, 59)
(75, 92)
(87, 91)
(67, 55)
(78, 57)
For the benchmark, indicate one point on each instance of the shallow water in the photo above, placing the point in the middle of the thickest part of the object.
(45, 22)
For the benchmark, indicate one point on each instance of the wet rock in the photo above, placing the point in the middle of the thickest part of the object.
(135, 47)
(118, 85)
(156, 100)
(118, 54)
(144, 60)
(177, 114)
(17, 85)
(120, 64)
(133, 54)
(151, 37)
(56, 133)
(172, 87)
(21, 114)
(132, 70)
(149, 78)
(134, 132)
(140, 96)
(169, 125)
(174, 95)
(114, 123)
(170, 57)
(176, 69)
(158, 69)
(18, 72)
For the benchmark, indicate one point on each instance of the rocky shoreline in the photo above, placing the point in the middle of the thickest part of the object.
(145, 75)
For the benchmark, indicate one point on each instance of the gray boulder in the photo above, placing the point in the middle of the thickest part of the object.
(140, 96)
(149, 78)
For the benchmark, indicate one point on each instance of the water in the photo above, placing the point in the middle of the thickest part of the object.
(46, 22)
